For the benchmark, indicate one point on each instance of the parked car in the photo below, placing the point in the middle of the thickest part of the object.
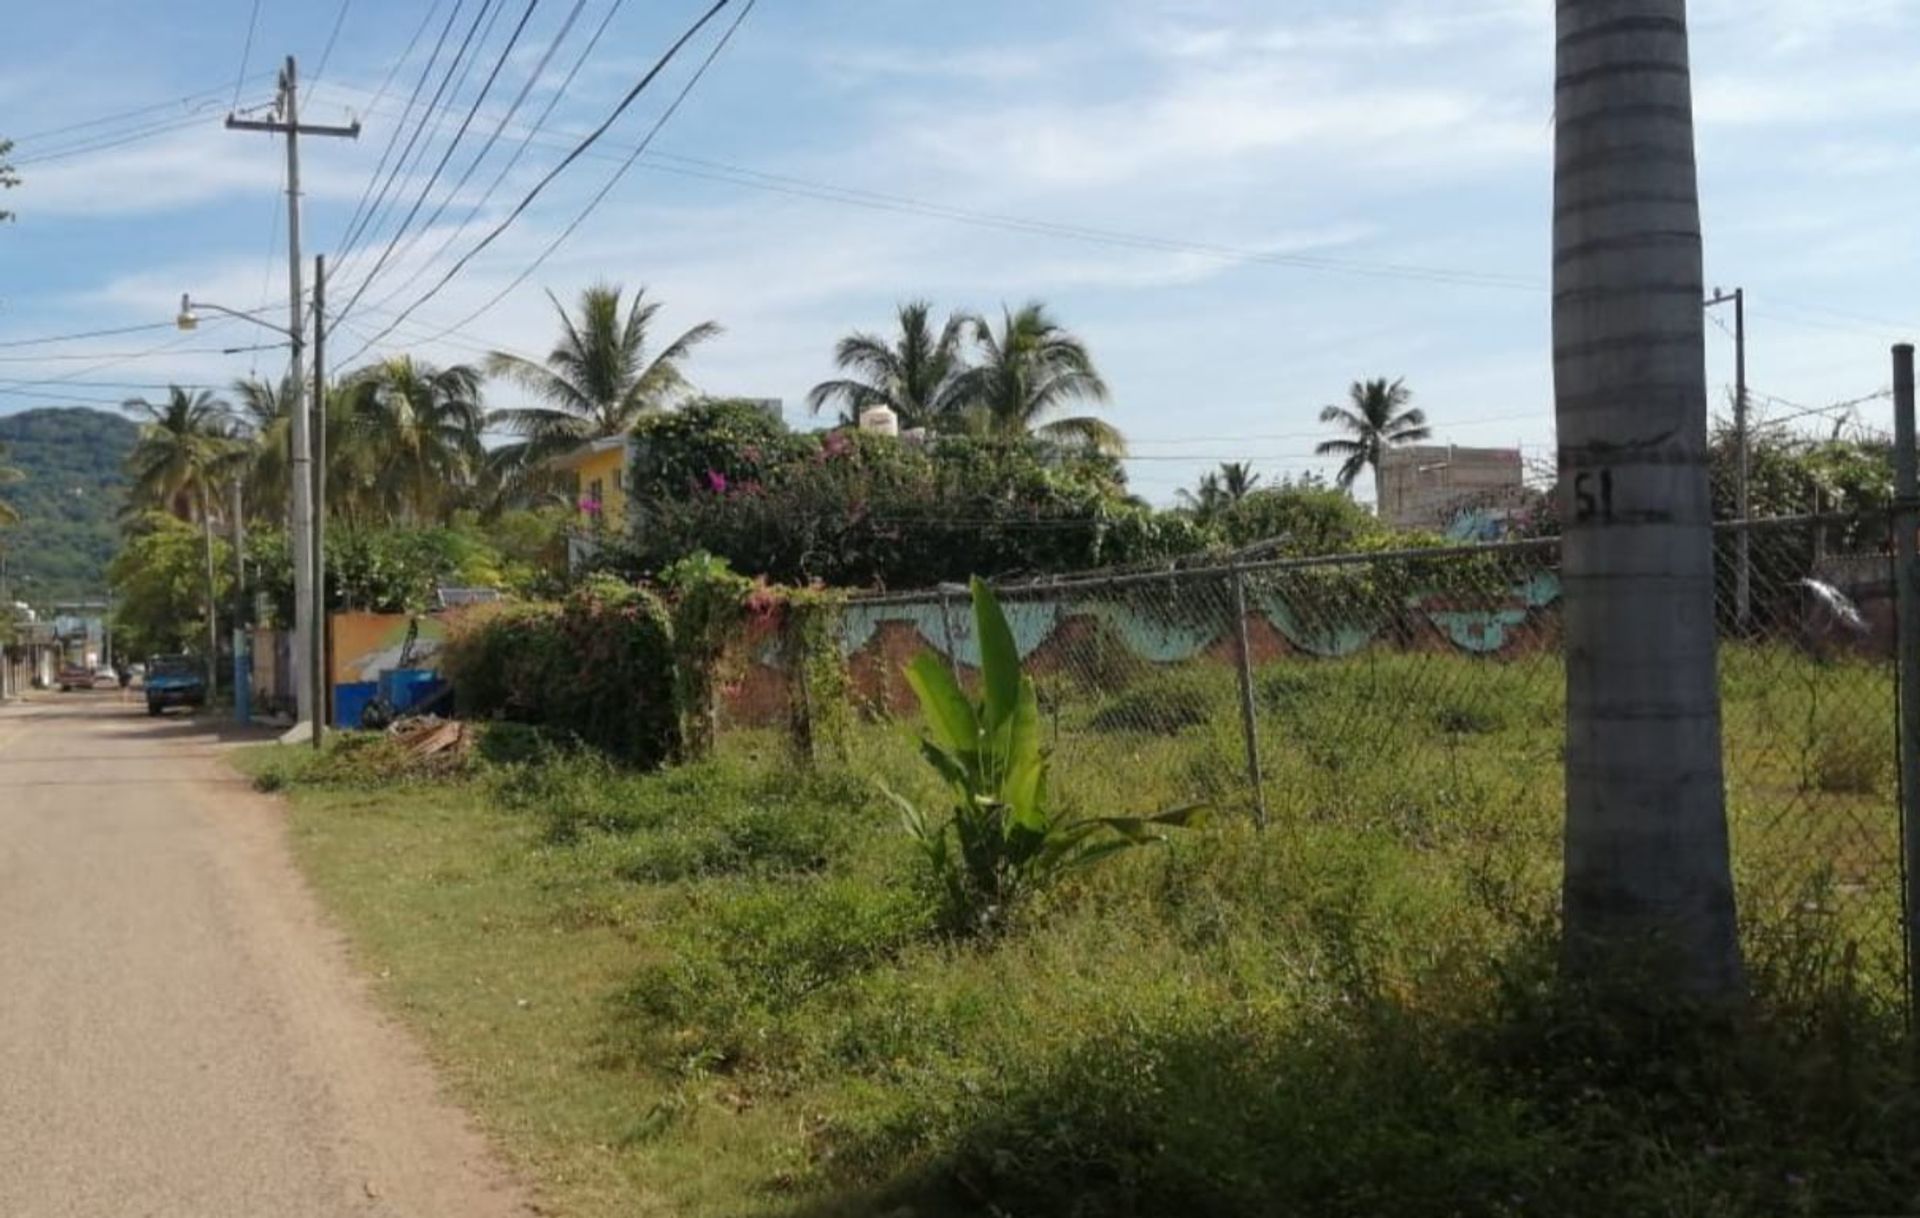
(105, 678)
(74, 676)
(174, 681)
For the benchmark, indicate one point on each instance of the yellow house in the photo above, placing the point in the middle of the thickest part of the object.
(600, 473)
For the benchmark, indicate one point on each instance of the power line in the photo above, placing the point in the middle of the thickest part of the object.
(416, 150)
(17, 382)
(123, 356)
(493, 187)
(574, 155)
(356, 223)
(246, 53)
(339, 19)
(499, 63)
(215, 93)
(107, 140)
(785, 184)
(61, 338)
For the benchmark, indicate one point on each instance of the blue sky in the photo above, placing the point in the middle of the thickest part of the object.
(1379, 136)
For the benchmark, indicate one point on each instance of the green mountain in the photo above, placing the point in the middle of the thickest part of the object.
(69, 503)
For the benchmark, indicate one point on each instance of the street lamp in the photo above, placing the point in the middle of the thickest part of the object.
(187, 320)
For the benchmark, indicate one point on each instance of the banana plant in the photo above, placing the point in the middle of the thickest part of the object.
(1002, 836)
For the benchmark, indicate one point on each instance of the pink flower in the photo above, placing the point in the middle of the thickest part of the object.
(590, 506)
(716, 482)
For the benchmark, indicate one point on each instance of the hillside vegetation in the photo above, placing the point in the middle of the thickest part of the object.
(75, 483)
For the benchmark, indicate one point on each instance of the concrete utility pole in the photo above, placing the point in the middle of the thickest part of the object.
(305, 555)
(242, 670)
(1743, 506)
(317, 649)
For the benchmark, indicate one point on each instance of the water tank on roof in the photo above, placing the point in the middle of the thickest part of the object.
(880, 420)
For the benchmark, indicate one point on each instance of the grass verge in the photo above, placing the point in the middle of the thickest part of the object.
(718, 990)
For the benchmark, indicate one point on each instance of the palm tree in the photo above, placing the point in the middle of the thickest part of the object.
(1376, 418)
(1220, 489)
(1647, 876)
(918, 376)
(599, 378)
(410, 436)
(264, 423)
(1027, 370)
(1237, 480)
(187, 450)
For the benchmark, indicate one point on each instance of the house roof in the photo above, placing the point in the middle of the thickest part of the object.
(593, 448)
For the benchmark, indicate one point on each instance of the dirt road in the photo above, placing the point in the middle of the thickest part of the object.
(180, 1033)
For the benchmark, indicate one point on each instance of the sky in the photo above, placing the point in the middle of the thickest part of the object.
(1240, 205)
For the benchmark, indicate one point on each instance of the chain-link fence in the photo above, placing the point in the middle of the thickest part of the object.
(1420, 695)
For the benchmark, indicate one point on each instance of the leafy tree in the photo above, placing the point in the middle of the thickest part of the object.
(854, 510)
(710, 444)
(160, 601)
(599, 379)
(1375, 419)
(186, 451)
(1299, 519)
(395, 570)
(1028, 370)
(411, 437)
(919, 375)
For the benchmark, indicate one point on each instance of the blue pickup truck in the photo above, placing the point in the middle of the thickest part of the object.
(174, 681)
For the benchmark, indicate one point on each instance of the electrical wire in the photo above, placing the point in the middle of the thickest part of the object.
(215, 93)
(639, 87)
(61, 338)
(466, 222)
(103, 142)
(123, 356)
(499, 63)
(417, 149)
(703, 169)
(339, 19)
(246, 53)
(356, 221)
(273, 246)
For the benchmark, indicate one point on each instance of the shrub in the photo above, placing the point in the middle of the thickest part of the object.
(1003, 836)
(598, 667)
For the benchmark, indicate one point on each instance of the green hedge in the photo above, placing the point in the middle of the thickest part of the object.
(598, 666)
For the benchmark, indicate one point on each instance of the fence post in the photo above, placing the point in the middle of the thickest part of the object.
(1243, 653)
(1906, 583)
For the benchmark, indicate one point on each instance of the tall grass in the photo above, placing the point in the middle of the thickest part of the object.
(1355, 1012)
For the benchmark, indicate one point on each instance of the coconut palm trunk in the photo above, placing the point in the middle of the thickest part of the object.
(1647, 875)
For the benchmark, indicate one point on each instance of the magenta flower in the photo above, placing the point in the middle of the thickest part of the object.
(590, 506)
(716, 482)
